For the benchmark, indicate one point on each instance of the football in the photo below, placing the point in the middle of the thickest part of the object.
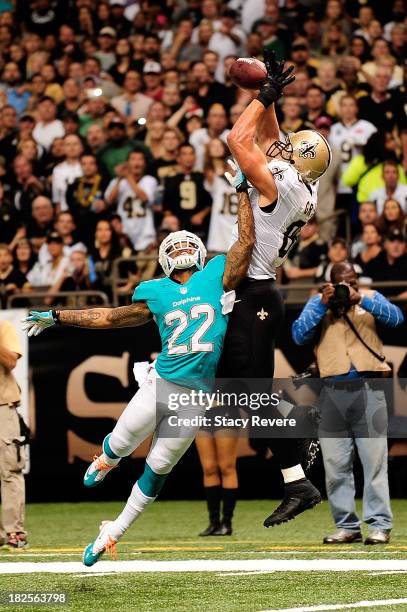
(248, 72)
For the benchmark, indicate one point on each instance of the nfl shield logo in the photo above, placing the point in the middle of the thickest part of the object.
(183, 290)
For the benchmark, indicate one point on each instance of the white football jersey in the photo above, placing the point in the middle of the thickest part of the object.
(349, 140)
(137, 216)
(223, 213)
(277, 231)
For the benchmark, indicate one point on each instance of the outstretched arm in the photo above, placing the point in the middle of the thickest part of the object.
(238, 257)
(248, 154)
(242, 138)
(95, 318)
(267, 130)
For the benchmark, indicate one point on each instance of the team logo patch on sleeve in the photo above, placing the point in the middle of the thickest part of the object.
(307, 149)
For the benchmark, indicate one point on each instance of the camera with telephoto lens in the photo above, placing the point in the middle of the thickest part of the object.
(340, 301)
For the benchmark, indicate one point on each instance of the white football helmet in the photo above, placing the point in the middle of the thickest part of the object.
(178, 241)
(307, 150)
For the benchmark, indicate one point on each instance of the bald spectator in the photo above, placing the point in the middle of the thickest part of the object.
(66, 172)
(48, 127)
(382, 107)
(132, 104)
(41, 222)
(217, 128)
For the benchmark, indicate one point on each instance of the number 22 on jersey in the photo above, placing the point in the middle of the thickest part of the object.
(194, 345)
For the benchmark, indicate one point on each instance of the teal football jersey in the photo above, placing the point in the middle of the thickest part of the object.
(189, 317)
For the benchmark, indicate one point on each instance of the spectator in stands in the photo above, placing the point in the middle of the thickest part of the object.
(65, 173)
(166, 164)
(327, 79)
(41, 222)
(337, 253)
(8, 131)
(367, 214)
(11, 279)
(349, 135)
(185, 196)
(124, 61)
(366, 170)
(384, 108)
(11, 228)
(72, 97)
(118, 147)
(105, 250)
(152, 77)
(85, 198)
(217, 128)
(372, 245)
(223, 215)
(390, 264)
(154, 137)
(24, 256)
(47, 127)
(392, 188)
(132, 104)
(95, 138)
(48, 272)
(392, 218)
(25, 187)
(17, 95)
(292, 120)
(300, 57)
(76, 277)
(314, 104)
(306, 256)
(134, 192)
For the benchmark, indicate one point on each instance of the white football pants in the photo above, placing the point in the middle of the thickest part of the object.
(148, 413)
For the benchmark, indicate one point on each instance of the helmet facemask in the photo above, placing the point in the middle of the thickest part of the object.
(178, 242)
(281, 149)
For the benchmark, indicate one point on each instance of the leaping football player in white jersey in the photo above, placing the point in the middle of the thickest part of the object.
(284, 178)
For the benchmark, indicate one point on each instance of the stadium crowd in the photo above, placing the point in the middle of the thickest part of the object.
(113, 125)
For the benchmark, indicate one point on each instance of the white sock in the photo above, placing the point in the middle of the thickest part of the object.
(293, 473)
(108, 460)
(136, 504)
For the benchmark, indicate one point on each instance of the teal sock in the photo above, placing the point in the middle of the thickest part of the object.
(150, 482)
(107, 450)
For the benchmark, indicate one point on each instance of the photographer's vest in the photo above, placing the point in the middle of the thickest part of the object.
(9, 389)
(339, 348)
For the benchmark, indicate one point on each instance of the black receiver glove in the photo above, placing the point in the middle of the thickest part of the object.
(272, 88)
(274, 68)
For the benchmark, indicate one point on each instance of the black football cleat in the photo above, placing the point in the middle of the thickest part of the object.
(299, 496)
(210, 530)
(224, 529)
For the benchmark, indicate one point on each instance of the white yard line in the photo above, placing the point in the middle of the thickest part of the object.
(208, 565)
(358, 604)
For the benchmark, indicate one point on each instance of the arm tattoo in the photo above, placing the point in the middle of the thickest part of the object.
(124, 316)
(238, 257)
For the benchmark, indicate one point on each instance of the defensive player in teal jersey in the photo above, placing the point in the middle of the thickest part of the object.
(186, 305)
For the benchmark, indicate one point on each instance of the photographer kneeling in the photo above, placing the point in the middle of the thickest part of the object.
(342, 323)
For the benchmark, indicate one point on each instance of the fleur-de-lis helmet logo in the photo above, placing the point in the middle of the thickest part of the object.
(307, 149)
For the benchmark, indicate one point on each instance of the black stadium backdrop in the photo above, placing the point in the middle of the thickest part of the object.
(81, 381)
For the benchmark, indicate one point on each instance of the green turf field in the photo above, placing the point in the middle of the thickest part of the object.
(168, 533)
